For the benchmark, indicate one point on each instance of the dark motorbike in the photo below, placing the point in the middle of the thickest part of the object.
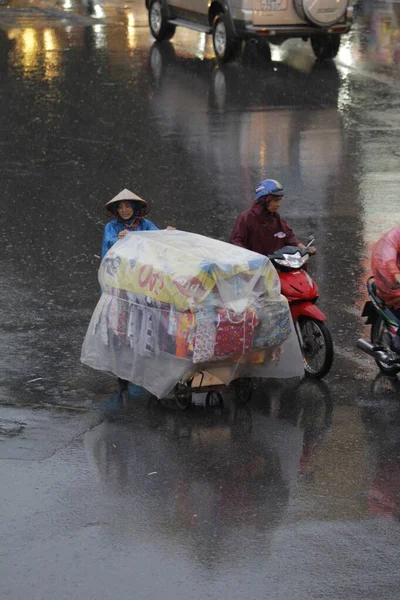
(384, 324)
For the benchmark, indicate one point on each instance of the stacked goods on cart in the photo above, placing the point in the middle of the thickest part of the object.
(174, 303)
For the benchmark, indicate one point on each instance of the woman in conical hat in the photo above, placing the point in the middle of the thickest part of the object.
(127, 211)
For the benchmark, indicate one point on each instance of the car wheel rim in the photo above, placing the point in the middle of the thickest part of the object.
(155, 17)
(220, 39)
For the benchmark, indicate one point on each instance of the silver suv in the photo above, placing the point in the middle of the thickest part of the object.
(232, 21)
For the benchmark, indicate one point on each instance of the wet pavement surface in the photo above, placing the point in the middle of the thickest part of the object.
(296, 494)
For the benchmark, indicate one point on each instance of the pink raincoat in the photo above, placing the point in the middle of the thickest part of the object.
(385, 265)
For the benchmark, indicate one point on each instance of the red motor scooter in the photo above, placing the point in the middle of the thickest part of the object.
(309, 321)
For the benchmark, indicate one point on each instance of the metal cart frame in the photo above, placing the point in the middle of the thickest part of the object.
(183, 391)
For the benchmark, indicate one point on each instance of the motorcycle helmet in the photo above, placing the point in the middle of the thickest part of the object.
(269, 187)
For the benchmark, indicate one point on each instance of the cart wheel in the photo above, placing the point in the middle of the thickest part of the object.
(214, 399)
(243, 388)
(183, 394)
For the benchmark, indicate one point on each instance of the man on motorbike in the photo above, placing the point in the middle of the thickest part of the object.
(261, 228)
(385, 264)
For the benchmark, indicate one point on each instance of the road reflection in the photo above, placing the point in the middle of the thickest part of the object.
(6, 45)
(244, 120)
(205, 479)
(381, 417)
(378, 42)
(256, 118)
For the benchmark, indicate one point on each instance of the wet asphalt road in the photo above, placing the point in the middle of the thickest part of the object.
(295, 496)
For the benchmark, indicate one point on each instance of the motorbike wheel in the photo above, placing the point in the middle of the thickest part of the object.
(317, 347)
(380, 337)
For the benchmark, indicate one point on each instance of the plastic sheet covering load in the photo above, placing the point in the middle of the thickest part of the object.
(175, 303)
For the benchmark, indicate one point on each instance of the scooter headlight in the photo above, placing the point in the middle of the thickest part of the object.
(294, 261)
(282, 262)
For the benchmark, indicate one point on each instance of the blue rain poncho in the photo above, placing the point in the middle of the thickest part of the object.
(114, 227)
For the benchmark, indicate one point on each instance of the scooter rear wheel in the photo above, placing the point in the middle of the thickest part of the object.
(317, 347)
(381, 338)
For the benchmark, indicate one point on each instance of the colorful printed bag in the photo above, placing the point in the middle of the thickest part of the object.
(204, 341)
(235, 333)
(274, 326)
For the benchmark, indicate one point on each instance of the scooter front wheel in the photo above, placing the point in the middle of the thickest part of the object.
(316, 346)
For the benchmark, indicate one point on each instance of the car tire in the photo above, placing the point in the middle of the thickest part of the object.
(325, 46)
(226, 47)
(160, 28)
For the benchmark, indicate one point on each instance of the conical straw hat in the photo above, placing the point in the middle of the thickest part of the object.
(124, 195)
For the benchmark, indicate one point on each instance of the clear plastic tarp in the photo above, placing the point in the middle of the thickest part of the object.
(175, 303)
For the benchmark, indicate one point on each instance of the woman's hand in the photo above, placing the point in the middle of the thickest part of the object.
(170, 228)
(122, 234)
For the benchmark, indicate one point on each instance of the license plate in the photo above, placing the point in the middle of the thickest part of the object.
(271, 5)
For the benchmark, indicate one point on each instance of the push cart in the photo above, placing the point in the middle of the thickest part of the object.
(204, 383)
(170, 325)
